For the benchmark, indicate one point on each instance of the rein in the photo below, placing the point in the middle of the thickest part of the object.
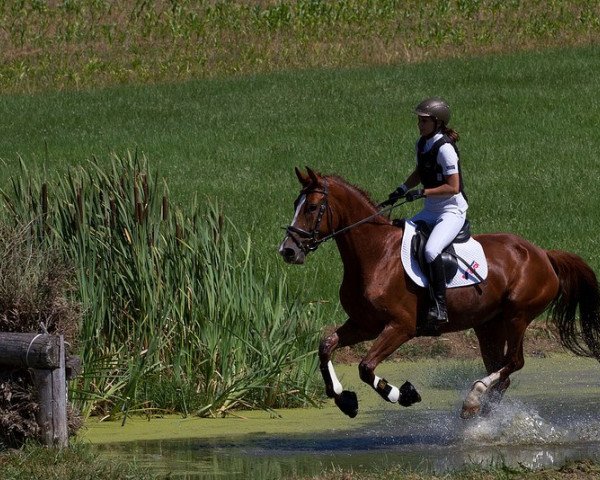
(315, 242)
(360, 222)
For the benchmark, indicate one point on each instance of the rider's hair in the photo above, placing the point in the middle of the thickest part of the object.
(453, 134)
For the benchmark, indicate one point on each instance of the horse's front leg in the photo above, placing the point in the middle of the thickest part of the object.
(387, 343)
(346, 335)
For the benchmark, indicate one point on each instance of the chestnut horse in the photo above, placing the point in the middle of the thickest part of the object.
(383, 304)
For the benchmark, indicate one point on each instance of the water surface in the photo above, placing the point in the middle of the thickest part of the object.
(546, 419)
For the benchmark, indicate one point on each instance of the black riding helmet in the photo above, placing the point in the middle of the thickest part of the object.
(434, 107)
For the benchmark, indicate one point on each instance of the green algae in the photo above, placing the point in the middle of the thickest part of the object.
(553, 376)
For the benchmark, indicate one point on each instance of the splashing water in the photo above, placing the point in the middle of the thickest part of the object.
(587, 432)
(512, 423)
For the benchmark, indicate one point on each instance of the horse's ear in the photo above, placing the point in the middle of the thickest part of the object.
(304, 179)
(312, 175)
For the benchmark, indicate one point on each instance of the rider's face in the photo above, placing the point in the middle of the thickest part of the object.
(426, 125)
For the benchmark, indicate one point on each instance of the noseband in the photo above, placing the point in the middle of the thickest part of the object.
(314, 241)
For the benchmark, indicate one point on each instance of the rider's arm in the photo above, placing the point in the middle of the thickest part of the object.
(413, 179)
(447, 189)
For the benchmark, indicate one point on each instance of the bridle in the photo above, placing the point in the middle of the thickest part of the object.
(296, 234)
(314, 241)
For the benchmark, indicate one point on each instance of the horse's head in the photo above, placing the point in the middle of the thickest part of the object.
(310, 223)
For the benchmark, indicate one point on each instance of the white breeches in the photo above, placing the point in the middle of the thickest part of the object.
(445, 225)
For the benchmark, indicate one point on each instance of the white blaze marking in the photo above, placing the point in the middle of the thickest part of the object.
(296, 214)
(298, 208)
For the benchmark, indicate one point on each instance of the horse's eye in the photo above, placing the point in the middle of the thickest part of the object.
(312, 207)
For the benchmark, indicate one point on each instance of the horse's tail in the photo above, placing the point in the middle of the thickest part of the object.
(578, 287)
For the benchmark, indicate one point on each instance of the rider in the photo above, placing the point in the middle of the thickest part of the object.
(438, 171)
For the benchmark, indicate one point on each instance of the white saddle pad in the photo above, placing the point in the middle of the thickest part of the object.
(471, 251)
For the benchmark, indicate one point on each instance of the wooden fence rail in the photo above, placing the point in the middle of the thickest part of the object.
(45, 355)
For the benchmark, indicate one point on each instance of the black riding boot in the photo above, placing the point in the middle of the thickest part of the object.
(437, 314)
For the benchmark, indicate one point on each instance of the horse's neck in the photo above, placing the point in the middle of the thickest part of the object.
(364, 244)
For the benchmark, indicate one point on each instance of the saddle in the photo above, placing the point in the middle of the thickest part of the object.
(448, 255)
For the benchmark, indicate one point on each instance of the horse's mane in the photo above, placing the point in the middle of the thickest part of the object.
(358, 190)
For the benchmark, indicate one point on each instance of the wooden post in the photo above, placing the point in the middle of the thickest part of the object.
(45, 355)
(29, 350)
(51, 386)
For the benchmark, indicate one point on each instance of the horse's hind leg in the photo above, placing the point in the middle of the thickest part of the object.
(492, 345)
(501, 344)
(348, 334)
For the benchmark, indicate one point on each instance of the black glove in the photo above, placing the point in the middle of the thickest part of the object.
(395, 196)
(415, 194)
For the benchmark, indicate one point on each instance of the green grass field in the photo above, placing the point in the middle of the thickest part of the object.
(528, 123)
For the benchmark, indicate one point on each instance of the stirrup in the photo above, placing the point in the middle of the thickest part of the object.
(437, 316)
(429, 329)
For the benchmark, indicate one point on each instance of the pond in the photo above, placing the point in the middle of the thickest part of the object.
(550, 415)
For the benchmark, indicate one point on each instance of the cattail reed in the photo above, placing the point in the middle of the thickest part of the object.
(173, 298)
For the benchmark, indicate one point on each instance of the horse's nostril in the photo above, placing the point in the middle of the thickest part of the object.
(288, 253)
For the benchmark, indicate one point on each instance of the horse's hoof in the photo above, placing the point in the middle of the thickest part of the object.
(469, 412)
(408, 395)
(472, 404)
(347, 402)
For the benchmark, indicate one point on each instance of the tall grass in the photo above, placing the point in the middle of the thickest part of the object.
(177, 314)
